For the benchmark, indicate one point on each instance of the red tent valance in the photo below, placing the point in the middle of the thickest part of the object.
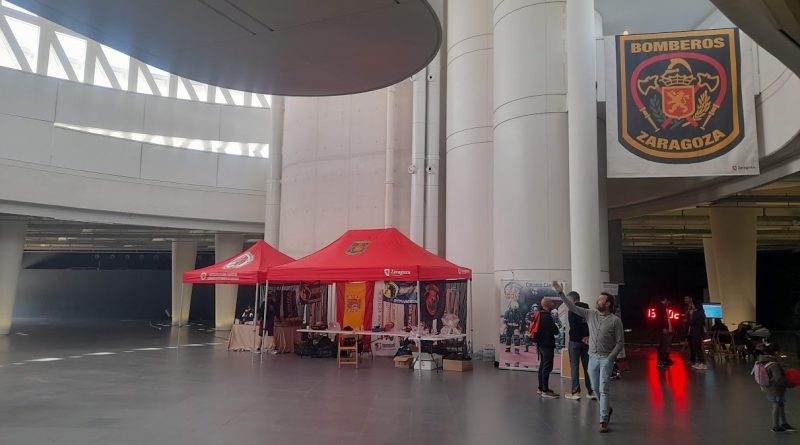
(369, 255)
(248, 267)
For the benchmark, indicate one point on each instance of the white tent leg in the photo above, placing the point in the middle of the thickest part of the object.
(264, 317)
(471, 328)
(255, 319)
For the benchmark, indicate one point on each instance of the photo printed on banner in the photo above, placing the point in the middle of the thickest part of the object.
(519, 301)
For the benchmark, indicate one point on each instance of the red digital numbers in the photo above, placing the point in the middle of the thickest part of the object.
(672, 314)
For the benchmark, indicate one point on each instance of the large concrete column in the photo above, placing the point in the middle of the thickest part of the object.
(733, 237)
(226, 245)
(711, 270)
(12, 245)
(272, 219)
(583, 174)
(531, 185)
(184, 258)
(468, 219)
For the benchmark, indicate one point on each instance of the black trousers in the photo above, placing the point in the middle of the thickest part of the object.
(696, 354)
(664, 343)
(546, 355)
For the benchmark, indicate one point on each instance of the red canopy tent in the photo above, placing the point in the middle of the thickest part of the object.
(369, 255)
(248, 267)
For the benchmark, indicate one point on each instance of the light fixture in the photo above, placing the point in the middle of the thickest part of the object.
(625, 33)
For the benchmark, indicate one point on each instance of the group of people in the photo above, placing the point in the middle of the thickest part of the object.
(695, 328)
(596, 339)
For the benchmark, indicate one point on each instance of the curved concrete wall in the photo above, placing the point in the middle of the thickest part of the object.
(55, 172)
(334, 166)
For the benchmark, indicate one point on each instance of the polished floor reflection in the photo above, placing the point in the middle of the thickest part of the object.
(129, 383)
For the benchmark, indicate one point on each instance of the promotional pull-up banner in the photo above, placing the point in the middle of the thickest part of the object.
(680, 104)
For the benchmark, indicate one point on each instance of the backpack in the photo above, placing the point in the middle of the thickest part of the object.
(533, 325)
(761, 373)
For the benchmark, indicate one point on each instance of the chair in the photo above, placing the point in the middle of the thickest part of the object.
(347, 352)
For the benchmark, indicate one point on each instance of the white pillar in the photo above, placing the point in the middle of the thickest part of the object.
(583, 176)
(12, 245)
(226, 245)
(392, 140)
(417, 169)
(272, 218)
(711, 270)
(184, 258)
(468, 202)
(733, 237)
(432, 146)
(531, 185)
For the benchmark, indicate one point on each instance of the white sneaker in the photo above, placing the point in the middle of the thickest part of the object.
(592, 396)
(573, 396)
(701, 367)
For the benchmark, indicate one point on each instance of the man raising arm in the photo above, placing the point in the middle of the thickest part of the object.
(605, 343)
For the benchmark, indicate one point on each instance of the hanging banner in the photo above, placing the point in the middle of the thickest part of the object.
(519, 301)
(400, 292)
(432, 305)
(353, 307)
(680, 104)
(311, 293)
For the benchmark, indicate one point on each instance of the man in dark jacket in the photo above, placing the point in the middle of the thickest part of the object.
(697, 332)
(546, 345)
(664, 326)
(578, 349)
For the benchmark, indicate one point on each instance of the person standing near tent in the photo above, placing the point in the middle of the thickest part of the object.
(579, 350)
(605, 343)
(545, 338)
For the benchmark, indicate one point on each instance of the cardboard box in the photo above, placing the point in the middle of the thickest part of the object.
(429, 362)
(458, 365)
(403, 361)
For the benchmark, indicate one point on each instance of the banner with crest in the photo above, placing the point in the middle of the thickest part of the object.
(680, 104)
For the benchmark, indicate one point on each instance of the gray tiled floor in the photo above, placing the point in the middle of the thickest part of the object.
(206, 395)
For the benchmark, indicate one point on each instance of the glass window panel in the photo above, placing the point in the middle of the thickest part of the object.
(75, 49)
(16, 8)
(161, 79)
(27, 36)
(238, 97)
(182, 92)
(54, 67)
(201, 89)
(120, 64)
(100, 78)
(219, 98)
(141, 85)
(7, 58)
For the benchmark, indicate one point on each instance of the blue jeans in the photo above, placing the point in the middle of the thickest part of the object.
(600, 375)
(579, 354)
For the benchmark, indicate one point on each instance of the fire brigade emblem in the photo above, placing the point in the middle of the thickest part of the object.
(679, 95)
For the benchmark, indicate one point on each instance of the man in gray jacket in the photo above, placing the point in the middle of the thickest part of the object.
(605, 343)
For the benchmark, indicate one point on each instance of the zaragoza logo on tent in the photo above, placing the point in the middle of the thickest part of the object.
(240, 261)
(357, 248)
